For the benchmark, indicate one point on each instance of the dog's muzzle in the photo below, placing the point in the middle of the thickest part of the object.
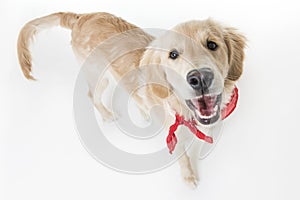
(200, 79)
(206, 106)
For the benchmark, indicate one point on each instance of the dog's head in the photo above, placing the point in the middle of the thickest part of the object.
(199, 61)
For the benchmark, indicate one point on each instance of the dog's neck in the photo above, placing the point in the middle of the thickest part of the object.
(173, 102)
(192, 124)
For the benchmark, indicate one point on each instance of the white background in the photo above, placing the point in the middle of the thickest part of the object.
(256, 158)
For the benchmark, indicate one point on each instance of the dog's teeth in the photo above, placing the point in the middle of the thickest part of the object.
(210, 116)
(215, 113)
(216, 108)
(203, 116)
(198, 113)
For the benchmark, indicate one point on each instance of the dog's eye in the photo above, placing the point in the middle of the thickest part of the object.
(174, 54)
(212, 45)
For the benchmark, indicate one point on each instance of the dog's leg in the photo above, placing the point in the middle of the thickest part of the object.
(106, 114)
(142, 106)
(185, 164)
(145, 114)
(187, 172)
(194, 151)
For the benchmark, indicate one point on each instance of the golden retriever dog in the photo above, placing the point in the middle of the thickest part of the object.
(196, 64)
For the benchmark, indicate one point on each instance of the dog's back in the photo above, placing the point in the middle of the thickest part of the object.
(88, 31)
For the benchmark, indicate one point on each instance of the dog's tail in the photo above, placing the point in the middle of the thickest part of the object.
(66, 20)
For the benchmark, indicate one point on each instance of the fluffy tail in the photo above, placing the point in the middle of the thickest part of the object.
(66, 20)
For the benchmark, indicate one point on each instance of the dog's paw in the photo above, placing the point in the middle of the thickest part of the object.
(190, 179)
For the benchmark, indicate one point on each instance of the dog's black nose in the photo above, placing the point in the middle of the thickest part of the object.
(200, 79)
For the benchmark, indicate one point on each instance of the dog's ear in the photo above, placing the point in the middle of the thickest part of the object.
(235, 43)
(155, 75)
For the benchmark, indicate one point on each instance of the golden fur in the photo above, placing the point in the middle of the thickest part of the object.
(89, 30)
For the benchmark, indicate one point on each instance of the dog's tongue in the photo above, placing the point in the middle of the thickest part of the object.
(205, 104)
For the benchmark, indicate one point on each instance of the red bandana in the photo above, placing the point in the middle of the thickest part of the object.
(191, 124)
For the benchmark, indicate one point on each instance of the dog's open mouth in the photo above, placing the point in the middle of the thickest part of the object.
(206, 108)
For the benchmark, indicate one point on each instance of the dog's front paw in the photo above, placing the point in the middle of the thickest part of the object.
(189, 178)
